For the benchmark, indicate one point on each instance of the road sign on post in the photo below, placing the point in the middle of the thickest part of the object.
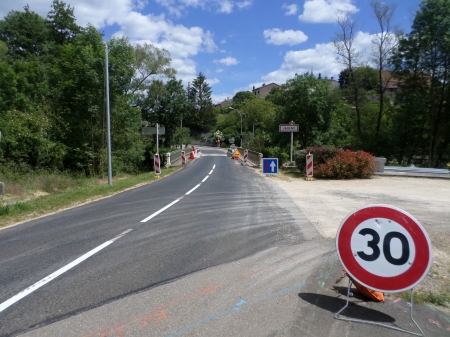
(384, 248)
(270, 166)
(151, 130)
(288, 127)
(291, 127)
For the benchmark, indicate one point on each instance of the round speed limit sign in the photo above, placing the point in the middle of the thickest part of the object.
(384, 248)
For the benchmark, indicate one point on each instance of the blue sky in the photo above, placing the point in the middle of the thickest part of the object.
(237, 44)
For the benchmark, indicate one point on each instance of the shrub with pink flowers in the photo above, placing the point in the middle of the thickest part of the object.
(347, 165)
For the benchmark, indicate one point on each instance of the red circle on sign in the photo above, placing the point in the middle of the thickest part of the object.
(407, 280)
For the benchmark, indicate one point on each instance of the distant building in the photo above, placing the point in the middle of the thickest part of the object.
(391, 83)
(333, 83)
(224, 104)
(264, 90)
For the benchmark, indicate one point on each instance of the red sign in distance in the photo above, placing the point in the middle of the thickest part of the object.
(384, 248)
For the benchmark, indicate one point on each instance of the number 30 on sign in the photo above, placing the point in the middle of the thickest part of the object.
(384, 248)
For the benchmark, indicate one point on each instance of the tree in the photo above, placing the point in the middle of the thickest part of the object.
(308, 102)
(344, 47)
(259, 113)
(25, 33)
(202, 113)
(384, 44)
(422, 61)
(149, 61)
(242, 96)
(62, 24)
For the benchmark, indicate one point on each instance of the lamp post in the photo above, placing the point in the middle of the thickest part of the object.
(240, 113)
(108, 123)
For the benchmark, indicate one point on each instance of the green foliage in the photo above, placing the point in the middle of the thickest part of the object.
(182, 135)
(201, 114)
(347, 165)
(422, 61)
(320, 155)
(308, 102)
(276, 152)
(241, 97)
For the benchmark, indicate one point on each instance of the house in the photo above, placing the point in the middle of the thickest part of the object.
(224, 104)
(264, 90)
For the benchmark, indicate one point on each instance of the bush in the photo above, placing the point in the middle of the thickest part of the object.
(320, 155)
(276, 152)
(347, 165)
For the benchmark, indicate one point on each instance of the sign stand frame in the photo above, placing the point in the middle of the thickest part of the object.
(410, 304)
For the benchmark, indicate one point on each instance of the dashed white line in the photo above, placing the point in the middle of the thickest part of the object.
(210, 171)
(205, 179)
(57, 273)
(162, 209)
(193, 189)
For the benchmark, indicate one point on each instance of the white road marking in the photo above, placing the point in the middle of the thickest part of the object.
(205, 179)
(214, 166)
(210, 171)
(57, 273)
(193, 189)
(162, 209)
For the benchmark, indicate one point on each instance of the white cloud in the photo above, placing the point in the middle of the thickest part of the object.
(243, 4)
(218, 98)
(320, 59)
(219, 70)
(179, 7)
(227, 61)
(290, 9)
(182, 42)
(212, 81)
(279, 37)
(225, 7)
(324, 11)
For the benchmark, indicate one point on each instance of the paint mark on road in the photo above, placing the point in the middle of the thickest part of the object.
(163, 209)
(57, 273)
(281, 291)
(128, 325)
(220, 314)
(193, 189)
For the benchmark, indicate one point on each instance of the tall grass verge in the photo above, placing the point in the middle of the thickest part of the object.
(61, 191)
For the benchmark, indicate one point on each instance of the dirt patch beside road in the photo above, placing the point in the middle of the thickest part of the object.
(327, 202)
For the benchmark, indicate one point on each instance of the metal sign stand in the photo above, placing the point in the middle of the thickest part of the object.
(349, 293)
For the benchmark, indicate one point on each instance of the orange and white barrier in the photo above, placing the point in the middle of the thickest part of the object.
(309, 165)
(157, 164)
(183, 158)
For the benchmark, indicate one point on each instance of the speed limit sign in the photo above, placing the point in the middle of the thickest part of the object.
(384, 248)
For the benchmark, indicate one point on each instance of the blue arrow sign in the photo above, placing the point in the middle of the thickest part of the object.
(270, 166)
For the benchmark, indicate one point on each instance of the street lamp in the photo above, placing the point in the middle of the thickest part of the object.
(240, 113)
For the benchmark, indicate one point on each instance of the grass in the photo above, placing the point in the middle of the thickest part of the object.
(441, 298)
(58, 191)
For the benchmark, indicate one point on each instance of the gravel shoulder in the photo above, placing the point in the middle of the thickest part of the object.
(327, 202)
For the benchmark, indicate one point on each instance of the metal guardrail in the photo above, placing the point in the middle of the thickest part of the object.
(174, 156)
(254, 157)
(416, 169)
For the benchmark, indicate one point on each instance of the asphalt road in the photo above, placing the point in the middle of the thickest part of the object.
(226, 218)
(221, 252)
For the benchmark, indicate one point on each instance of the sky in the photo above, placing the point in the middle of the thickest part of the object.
(236, 44)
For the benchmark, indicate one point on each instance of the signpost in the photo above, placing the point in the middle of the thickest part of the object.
(385, 249)
(270, 166)
(155, 130)
(291, 127)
